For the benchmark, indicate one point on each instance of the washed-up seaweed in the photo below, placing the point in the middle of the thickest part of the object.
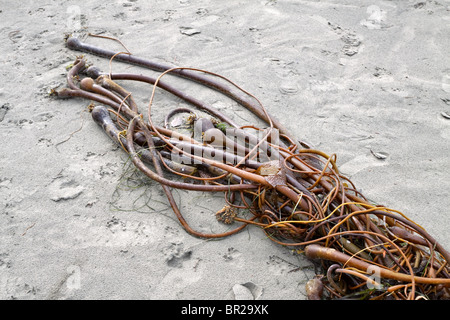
(291, 191)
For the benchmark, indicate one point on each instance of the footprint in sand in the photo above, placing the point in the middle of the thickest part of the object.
(64, 188)
(375, 19)
(245, 291)
(176, 254)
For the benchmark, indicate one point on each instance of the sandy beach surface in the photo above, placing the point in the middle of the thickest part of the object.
(366, 80)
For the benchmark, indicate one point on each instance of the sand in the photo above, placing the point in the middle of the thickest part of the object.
(367, 80)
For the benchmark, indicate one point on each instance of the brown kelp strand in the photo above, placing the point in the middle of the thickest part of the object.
(75, 44)
(296, 195)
